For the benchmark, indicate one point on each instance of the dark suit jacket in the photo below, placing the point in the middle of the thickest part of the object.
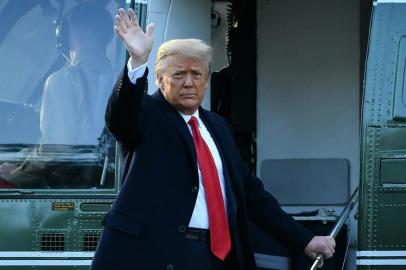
(144, 229)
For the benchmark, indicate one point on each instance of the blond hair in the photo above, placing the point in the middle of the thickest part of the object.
(191, 48)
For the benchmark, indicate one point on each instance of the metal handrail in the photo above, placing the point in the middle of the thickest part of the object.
(319, 261)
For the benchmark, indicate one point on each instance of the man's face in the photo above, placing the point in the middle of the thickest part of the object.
(183, 83)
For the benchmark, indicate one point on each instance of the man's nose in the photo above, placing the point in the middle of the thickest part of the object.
(188, 80)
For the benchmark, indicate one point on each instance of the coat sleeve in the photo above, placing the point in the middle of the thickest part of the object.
(124, 114)
(264, 210)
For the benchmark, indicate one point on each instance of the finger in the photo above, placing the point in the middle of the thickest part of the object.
(150, 29)
(329, 254)
(133, 17)
(332, 241)
(124, 17)
(118, 32)
(312, 255)
(329, 238)
(120, 24)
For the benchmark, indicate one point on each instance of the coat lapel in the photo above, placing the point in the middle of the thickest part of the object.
(224, 143)
(215, 132)
(179, 124)
(220, 143)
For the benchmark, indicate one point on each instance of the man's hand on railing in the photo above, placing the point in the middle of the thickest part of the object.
(321, 245)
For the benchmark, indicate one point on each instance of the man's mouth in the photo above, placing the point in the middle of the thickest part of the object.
(191, 95)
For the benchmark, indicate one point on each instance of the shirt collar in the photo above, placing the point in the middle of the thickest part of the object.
(187, 117)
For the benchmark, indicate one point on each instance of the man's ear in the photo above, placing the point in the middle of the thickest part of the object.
(159, 81)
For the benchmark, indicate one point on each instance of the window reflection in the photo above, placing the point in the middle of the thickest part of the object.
(75, 96)
(59, 62)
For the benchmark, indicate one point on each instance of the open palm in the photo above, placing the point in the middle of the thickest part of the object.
(138, 43)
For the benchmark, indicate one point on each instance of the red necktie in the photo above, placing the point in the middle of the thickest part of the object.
(219, 232)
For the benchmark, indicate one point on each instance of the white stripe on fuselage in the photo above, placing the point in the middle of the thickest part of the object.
(46, 254)
(381, 253)
(381, 262)
(45, 262)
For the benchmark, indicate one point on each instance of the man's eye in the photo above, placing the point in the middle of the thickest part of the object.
(178, 76)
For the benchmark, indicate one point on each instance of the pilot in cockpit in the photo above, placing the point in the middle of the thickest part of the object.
(75, 97)
(73, 102)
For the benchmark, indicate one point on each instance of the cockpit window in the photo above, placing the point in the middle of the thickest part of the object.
(59, 62)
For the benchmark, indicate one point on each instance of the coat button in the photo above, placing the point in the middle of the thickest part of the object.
(169, 267)
(195, 188)
(182, 228)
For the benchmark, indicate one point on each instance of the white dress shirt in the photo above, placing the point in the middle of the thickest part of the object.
(200, 217)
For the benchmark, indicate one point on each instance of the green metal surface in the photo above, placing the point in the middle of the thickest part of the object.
(382, 208)
(33, 225)
(393, 172)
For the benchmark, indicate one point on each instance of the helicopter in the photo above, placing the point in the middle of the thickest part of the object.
(312, 89)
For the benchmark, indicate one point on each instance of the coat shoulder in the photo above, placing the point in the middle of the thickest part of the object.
(216, 118)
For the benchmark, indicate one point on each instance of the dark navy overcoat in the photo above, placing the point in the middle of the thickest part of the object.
(144, 228)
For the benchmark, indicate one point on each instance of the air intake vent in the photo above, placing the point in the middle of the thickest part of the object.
(90, 242)
(53, 242)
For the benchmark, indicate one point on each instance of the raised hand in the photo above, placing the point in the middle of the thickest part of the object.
(138, 43)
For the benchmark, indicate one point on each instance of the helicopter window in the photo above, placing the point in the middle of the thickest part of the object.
(58, 66)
